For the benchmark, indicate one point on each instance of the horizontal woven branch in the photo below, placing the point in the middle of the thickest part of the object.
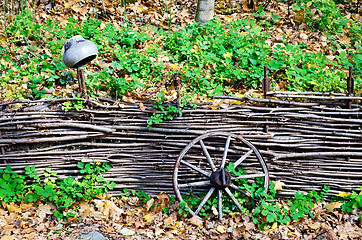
(305, 144)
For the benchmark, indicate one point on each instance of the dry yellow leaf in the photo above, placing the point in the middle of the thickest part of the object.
(8, 229)
(43, 210)
(8, 238)
(128, 99)
(163, 196)
(221, 229)
(169, 221)
(84, 209)
(148, 218)
(149, 204)
(142, 107)
(315, 225)
(196, 221)
(343, 194)
(278, 185)
(333, 205)
(12, 207)
(273, 227)
(11, 217)
(214, 210)
(345, 39)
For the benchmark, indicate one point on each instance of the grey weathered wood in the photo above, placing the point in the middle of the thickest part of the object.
(306, 147)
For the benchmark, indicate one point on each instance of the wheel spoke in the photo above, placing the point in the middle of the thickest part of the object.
(227, 190)
(239, 190)
(196, 168)
(225, 152)
(208, 195)
(249, 176)
(207, 155)
(194, 184)
(219, 204)
(242, 158)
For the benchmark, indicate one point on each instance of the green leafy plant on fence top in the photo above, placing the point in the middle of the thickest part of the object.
(77, 105)
(31, 187)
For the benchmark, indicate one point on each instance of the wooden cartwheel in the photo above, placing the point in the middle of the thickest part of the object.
(209, 165)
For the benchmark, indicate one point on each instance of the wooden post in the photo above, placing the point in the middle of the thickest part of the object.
(81, 81)
(350, 89)
(266, 88)
(177, 84)
(350, 86)
(266, 82)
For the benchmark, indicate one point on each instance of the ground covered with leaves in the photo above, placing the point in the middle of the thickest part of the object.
(143, 46)
(129, 217)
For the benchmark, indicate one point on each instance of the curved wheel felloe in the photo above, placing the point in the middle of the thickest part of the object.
(203, 168)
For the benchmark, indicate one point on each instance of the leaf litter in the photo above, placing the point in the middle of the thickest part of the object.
(128, 217)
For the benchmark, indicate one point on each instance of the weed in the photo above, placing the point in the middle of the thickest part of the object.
(351, 201)
(322, 15)
(77, 105)
(31, 187)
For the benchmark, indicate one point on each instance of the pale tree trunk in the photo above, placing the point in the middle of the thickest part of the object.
(205, 11)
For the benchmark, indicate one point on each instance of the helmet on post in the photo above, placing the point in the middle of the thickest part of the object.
(78, 51)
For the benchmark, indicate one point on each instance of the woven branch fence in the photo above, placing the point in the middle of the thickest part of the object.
(306, 144)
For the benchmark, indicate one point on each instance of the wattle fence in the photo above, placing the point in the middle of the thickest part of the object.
(306, 144)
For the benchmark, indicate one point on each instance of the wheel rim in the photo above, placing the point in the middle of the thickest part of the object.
(202, 167)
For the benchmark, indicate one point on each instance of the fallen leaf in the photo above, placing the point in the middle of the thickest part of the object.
(278, 185)
(8, 238)
(32, 235)
(343, 194)
(333, 205)
(274, 226)
(11, 217)
(169, 221)
(110, 229)
(84, 209)
(196, 221)
(43, 210)
(126, 232)
(214, 210)
(159, 231)
(221, 229)
(163, 196)
(149, 204)
(12, 207)
(315, 225)
(8, 229)
(148, 218)
(142, 107)
(345, 39)
(128, 99)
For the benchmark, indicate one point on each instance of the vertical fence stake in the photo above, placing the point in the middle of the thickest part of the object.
(177, 84)
(266, 82)
(350, 89)
(81, 81)
(350, 86)
(266, 88)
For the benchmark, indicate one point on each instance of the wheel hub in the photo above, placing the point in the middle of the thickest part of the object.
(220, 179)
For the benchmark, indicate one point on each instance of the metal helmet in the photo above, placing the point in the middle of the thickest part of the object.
(78, 51)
